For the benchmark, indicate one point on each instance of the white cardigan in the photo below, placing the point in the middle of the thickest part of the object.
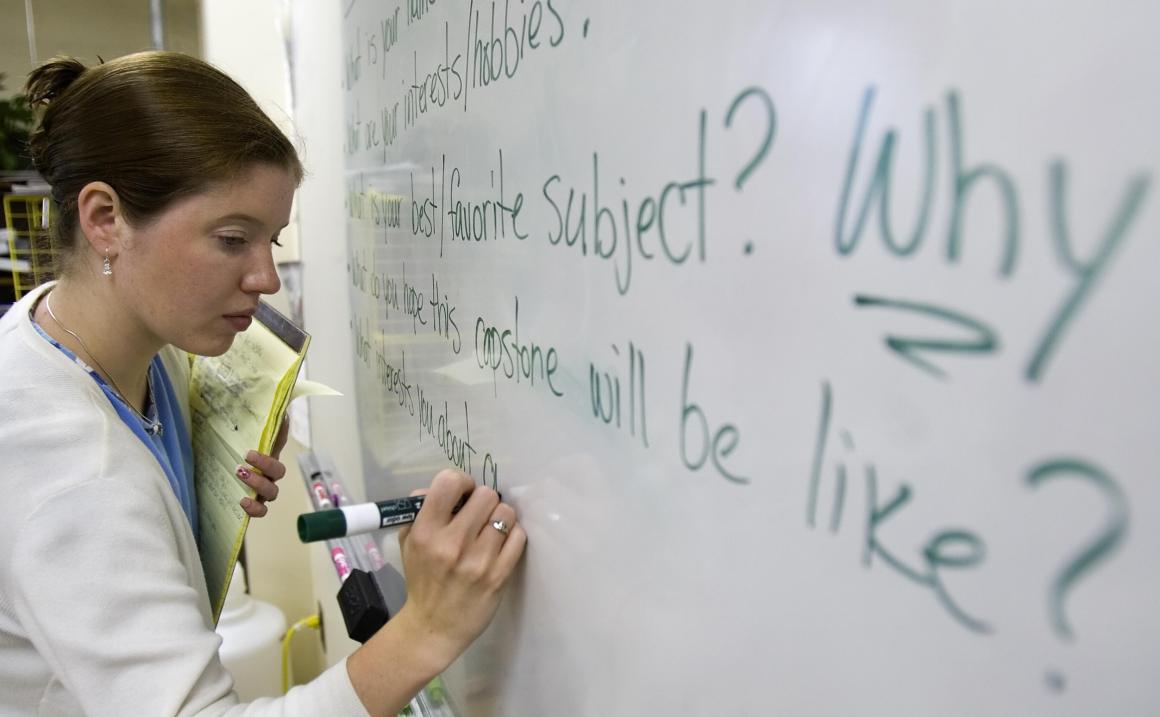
(103, 604)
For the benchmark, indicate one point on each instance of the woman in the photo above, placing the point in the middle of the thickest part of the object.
(170, 186)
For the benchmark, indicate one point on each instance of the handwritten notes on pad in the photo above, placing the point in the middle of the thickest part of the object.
(236, 402)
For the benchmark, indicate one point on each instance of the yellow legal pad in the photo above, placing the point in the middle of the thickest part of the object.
(237, 402)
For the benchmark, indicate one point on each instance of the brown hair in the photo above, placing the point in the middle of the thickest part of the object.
(155, 126)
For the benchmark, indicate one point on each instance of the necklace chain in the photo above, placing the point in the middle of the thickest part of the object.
(151, 425)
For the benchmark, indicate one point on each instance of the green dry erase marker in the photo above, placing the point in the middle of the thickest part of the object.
(362, 518)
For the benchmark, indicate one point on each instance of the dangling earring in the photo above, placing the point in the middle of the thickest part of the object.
(108, 269)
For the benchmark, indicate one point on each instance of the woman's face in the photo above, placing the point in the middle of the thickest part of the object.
(192, 277)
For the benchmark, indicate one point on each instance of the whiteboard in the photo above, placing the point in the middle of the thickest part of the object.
(814, 342)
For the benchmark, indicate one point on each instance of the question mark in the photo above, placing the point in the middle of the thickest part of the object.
(770, 129)
(1091, 554)
(766, 142)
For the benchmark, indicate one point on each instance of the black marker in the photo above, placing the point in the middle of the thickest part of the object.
(362, 518)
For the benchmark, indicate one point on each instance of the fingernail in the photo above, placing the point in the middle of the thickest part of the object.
(246, 502)
(244, 473)
(252, 456)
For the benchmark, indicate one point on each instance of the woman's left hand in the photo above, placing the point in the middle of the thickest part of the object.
(269, 471)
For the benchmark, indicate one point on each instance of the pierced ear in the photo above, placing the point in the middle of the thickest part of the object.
(99, 217)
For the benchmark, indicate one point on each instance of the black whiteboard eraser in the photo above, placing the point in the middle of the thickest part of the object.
(363, 608)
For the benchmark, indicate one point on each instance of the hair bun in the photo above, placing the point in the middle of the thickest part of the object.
(48, 81)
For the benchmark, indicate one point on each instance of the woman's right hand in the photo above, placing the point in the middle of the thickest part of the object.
(456, 565)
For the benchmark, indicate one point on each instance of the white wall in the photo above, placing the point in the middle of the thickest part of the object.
(295, 76)
(317, 75)
(249, 41)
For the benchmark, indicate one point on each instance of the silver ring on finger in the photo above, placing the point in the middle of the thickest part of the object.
(501, 526)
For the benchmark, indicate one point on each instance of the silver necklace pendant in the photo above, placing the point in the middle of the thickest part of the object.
(152, 425)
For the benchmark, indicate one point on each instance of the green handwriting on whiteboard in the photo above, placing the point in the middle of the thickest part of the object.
(982, 341)
(1097, 550)
(947, 549)
(964, 181)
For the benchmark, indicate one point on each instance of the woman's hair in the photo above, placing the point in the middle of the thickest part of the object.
(155, 126)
